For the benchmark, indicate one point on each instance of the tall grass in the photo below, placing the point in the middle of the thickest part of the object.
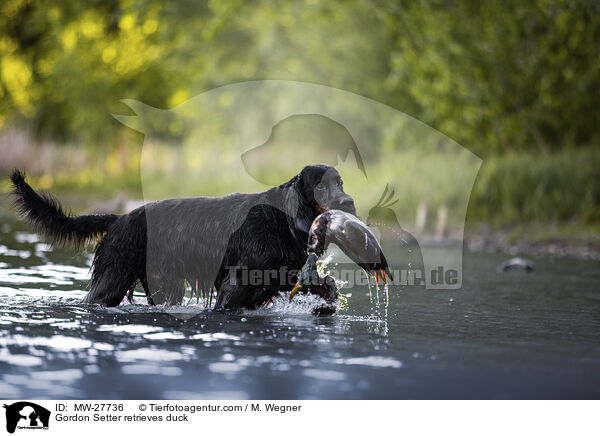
(529, 187)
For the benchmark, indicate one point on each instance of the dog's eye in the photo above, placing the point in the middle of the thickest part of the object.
(320, 187)
(340, 183)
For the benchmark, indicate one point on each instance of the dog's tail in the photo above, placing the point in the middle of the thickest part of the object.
(46, 214)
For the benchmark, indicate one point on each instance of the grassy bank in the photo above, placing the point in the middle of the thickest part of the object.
(528, 187)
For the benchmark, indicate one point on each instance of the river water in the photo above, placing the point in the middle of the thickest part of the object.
(502, 335)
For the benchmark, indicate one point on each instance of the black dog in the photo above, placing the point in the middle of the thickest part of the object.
(210, 242)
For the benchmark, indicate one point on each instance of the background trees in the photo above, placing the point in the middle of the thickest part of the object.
(502, 78)
(494, 76)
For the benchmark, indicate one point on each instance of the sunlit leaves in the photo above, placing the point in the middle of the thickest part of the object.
(494, 76)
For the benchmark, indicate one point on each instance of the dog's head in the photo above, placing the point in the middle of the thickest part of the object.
(322, 188)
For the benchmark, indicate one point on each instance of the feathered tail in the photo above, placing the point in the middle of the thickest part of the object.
(46, 214)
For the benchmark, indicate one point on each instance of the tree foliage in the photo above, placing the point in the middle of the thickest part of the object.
(495, 76)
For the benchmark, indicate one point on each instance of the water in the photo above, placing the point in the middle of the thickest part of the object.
(501, 336)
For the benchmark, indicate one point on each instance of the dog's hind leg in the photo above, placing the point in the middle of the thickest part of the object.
(109, 289)
(114, 274)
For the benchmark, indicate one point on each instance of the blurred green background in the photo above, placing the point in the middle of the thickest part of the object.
(517, 83)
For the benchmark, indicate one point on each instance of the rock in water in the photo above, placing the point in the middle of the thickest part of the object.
(516, 264)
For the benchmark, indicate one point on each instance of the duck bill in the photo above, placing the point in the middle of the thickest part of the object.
(296, 289)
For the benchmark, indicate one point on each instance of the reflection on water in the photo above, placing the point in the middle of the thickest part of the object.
(501, 336)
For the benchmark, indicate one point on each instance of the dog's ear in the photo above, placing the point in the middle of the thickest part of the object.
(293, 203)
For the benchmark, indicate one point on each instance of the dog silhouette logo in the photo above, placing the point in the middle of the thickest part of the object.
(254, 136)
(295, 142)
(26, 415)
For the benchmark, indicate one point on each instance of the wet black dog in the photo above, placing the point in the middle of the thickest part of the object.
(246, 246)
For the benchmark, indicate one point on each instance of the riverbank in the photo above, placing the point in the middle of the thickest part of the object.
(529, 239)
(573, 240)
